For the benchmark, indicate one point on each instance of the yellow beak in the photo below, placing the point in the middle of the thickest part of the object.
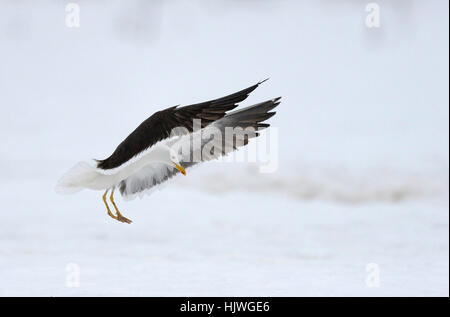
(180, 168)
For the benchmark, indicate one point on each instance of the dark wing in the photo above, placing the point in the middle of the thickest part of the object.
(154, 174)
(160, 125)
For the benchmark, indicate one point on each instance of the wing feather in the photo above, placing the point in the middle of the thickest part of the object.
(160, 125)
(198, 143)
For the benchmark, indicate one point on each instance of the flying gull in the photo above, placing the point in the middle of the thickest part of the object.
(167, 143)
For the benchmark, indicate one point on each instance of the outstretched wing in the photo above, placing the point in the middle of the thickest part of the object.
(160, 125)
(204, 145)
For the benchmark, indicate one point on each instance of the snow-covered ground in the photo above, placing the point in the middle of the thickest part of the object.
(187, 243)
(359, 203)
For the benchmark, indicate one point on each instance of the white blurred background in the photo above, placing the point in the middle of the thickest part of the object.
(363, 148)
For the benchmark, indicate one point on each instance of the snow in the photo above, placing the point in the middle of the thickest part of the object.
(363, 156)
(187, 243)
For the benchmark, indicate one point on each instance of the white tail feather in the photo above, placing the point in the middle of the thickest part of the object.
(74, 179)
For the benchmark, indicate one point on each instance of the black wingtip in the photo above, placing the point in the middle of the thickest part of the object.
(263, 81)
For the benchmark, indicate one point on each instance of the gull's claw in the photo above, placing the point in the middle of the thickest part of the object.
(123, 219)
(119, 216)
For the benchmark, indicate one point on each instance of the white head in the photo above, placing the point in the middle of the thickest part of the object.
(170, 158)
(165, 154)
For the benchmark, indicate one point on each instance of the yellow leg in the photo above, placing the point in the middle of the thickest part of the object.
(119, 215)
(107, 207)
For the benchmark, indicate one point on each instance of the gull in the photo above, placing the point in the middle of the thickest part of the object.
(156, 150)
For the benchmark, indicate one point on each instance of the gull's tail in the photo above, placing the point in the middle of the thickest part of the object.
(74, 179)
